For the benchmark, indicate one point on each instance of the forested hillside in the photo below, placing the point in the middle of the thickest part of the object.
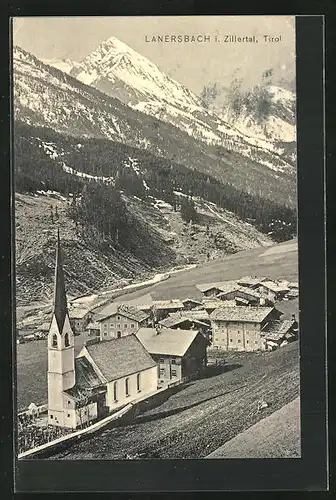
(46, 160)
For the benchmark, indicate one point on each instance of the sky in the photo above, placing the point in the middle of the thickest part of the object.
(193, 64)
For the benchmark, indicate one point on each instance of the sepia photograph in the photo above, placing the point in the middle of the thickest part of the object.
(156, 252)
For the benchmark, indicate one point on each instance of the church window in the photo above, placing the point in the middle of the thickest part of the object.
(138, 382)
(115, 391)
(127, 387)
(66, 340)
(54, 340)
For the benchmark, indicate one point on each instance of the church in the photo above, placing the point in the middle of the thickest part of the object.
(104, 376)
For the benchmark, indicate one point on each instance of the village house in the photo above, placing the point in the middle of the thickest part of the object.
(103, 377)
(180, 354)
(210, 304)
(79, 318)
(93, 329)
(240, 328)
(252, 282)
(279, 333)
(185, 321)
(245, 296)
(118, 320)
(161, 308)
(272, 291)
(209, 289)
(189, 304)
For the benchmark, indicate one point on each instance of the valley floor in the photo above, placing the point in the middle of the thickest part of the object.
(203, 415)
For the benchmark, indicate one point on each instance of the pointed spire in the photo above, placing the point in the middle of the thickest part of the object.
(60, 301)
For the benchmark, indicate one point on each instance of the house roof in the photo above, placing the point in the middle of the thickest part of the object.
(243, 289)
(215, 303)
(241, 313)
(174, 320)
(168, 304)
(93, 325)
(117, 358)
(251, 280)
(167, 341)
(188, 299)
(280, 327)
(86, 378)
(220, 285)
(273, 286)
(123, 309)
(78, 312)
(293, 285)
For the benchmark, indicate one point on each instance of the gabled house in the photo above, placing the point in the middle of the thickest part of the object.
(252, 282)
(240, 328)
(79, 319)
(272, 291)
(180, 354)
(161, 308)
(279, 333)
(184, 321)
(117, 320)
(189, 304)
(245, 296)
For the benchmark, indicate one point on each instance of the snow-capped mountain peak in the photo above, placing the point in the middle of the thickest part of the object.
(118, 70)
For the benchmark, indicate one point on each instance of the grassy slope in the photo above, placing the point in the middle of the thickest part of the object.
(204, 414)
(278, 261)
(275, 436)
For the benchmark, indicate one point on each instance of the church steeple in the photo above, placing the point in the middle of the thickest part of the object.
(60, 301)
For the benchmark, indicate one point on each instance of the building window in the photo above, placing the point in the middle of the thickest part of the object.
(118, 334)
(174, 373)
(66, 340)
(51, 416)
(105, 326)
(239, 341)
(125, 325)
(162, 371)
(54, 340)
(256, 342)
(161, 360)
(230, 340)
(111, 325)
(132, 325)
(118, 325)
(138, 382)
(127, 387)
(118, 318)
(69, 403)
(115, 391)
(68, 415)
(105, 334)
(247, 342)
(173, 361)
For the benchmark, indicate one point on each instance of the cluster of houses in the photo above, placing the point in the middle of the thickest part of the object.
(144, 345)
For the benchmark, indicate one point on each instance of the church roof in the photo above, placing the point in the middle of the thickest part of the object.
(60, 301)
(117, 358)
(86, 378)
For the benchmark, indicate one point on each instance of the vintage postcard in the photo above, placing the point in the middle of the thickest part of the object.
(156, 261)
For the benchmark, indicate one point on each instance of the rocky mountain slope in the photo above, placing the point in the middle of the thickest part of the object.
(187, 134)
(89, 268)
(119, 71)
